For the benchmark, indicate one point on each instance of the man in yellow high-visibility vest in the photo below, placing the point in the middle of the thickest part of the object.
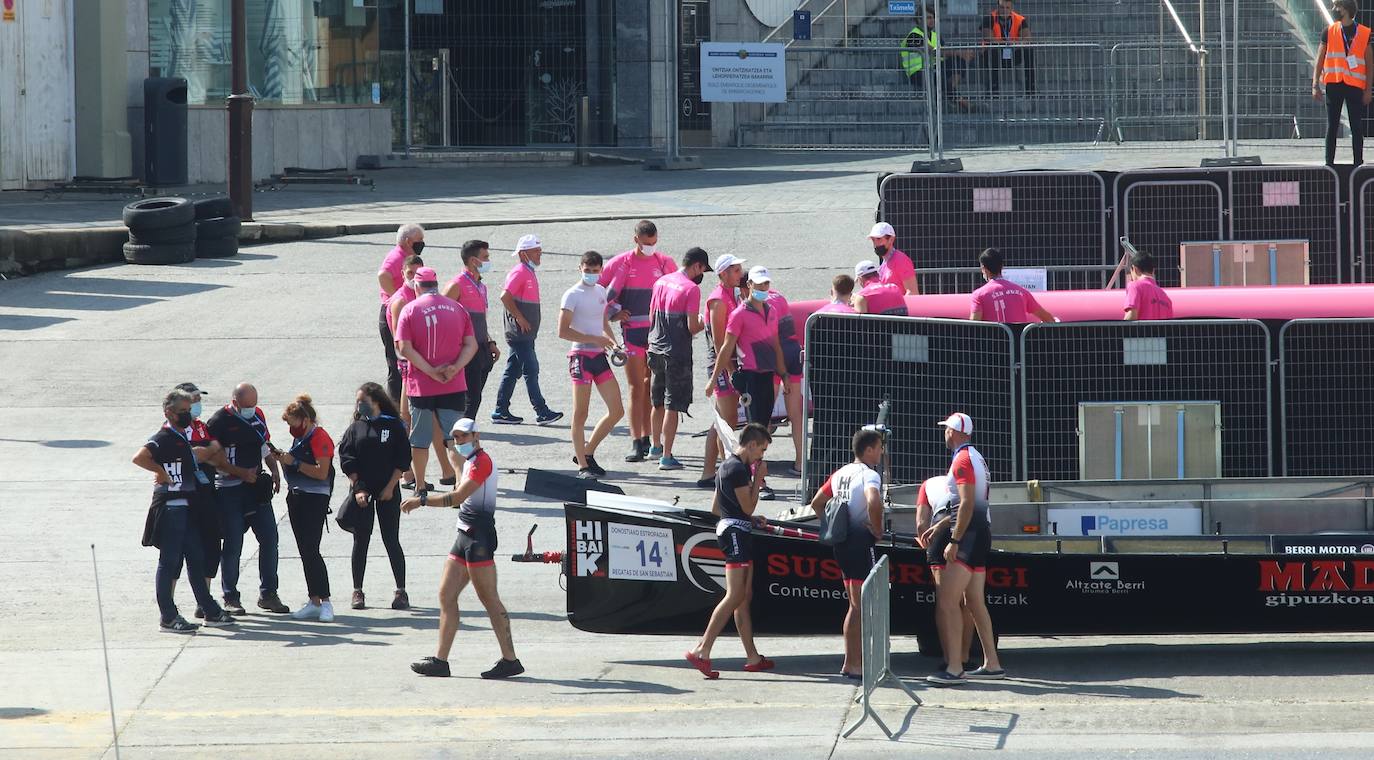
(913, 59)
(1344, 62)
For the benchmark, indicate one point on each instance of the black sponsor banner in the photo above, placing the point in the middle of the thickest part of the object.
(798, 588)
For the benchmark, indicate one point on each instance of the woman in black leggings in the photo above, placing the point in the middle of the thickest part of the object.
(374, 452)
(309, 475)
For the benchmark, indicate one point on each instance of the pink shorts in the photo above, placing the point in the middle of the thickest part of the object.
(723, 386)
(589, 368)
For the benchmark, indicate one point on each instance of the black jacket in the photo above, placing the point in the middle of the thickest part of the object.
(374, 450)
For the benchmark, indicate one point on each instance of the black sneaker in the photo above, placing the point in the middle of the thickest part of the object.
(706, 483)
(270, 602)
(178, 624)
(637, 451)
(946, 678)
(401, 601)
(431, 666)
(235, 606)
(596, 469)
(219, 620)
(766, 494)
(505, 669)
(983, 674)
(200, 611)
(506, 418)
(548, 418)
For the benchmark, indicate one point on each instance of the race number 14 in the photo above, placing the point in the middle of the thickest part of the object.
(641, 553)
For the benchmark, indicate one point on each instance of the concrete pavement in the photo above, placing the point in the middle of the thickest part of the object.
(87, 355)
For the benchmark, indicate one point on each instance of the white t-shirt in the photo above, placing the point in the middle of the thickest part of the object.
(849, 484)
(969, 467)
(588, 306)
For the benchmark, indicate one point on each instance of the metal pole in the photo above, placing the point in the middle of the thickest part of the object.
(105, 647)
(670, 39)
(1235, 80)
(1201, 70)
(584, 120)
(1225, 88)
(405, 11)
(927, 72)
(846, 23)
(444, 95)
(939, 84)
(240, 115)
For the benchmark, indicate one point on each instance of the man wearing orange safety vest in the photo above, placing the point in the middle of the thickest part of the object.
(1003, 30)
(1344, 62)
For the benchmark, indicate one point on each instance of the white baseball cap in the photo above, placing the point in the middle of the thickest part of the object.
(526, 243)
(727, 260)
(881, 229)
(760, 275)
(865, 268)
(959, 422)
(466, 425)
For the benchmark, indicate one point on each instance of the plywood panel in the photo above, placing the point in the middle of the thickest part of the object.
(48, 105)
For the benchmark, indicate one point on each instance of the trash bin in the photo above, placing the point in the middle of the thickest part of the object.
(164, 131)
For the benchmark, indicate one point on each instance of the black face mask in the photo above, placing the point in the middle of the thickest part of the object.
(698, 278)
(183, 419)
(881, 250)
(364, 410)
(417, 246)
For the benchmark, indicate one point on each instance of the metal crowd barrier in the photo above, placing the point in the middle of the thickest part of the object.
(928, 368)
(938, 280)
(874, 610)
(1361, 198)
(1040, 219)
(1217, 361)
(1327, 411)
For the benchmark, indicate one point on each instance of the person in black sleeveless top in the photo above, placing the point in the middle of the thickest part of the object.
(373, 454)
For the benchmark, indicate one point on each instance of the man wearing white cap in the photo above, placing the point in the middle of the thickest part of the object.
(896, 267)
(876, 296)
(473, 556)
(958, 547)
(521, 299)
(719, 304)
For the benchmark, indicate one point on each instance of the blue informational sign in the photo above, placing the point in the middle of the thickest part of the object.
(901, 7)
(801, 25)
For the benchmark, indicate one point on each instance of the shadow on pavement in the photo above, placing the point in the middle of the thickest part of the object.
(19, 713)
(98, 293)
(950, 727)
(608, 686)
(76, 443)
(18, 322)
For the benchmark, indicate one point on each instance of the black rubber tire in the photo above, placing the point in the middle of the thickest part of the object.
(218, 228)
(158, 213)
(176, 253)
(217, 248)
(186, 233)
(214, 208)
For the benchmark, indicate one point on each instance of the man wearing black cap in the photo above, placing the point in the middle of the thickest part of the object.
(675, 317)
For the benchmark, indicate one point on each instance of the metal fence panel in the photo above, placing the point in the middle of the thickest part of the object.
(1158, 215)
(1290, 203)
(1036, 218)
(929, 368)
(1179, 360)
(1361, 222)
(1326, 405)
(934, 281)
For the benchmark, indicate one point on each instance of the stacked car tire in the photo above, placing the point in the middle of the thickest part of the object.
(161, 231)
(217, 228)
(177, 231)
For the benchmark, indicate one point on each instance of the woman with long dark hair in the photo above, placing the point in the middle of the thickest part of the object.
(373, 453)
(309, 477)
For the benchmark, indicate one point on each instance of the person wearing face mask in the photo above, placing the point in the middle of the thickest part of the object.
(521, 301)
(895, 267)
(243, 501)
(398, 301)
(722, 300)
(876, 296)
(372, 454)
(204, 512)
(410, 241)
(675, 318)
(169, 455)
(310, 479)
(470, 291)
(794, 403)
(473, 556)
(629, 279)
(752, 332)
(582, 320)
(1342, 76)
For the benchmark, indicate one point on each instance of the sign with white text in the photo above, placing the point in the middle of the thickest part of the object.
(743, 72)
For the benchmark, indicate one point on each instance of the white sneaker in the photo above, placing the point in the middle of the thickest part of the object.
(326, 612)
(310, 610)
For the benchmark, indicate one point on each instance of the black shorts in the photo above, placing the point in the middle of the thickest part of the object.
(672, 382)
(792, 359)
(856, 555)
(452, 401)
(475, 547)
(973, 549)
(738, 546)
(759, 386)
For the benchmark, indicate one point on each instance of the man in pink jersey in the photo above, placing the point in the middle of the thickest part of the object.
(896, 267)
(410, 241)
(435, 335)
(675, 318)
(1002, 300)
(470, 290)
(876, 296)
(398, 301)
(1144, 298)
(841, 291)
(629, 279)
(521, 301)
(719, 304)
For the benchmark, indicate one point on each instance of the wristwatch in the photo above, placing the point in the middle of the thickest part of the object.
(424, 498)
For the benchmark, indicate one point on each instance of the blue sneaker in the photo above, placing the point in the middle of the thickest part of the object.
(548, 418)
(946, 678)
(655, 452)
(669, 463)
(506, 418)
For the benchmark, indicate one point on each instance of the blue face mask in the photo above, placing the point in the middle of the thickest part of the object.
(466, 449)
(196, 410)
(590, 279)
(758, 295)
(246, 414)
(532, 264)
(484, 267)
